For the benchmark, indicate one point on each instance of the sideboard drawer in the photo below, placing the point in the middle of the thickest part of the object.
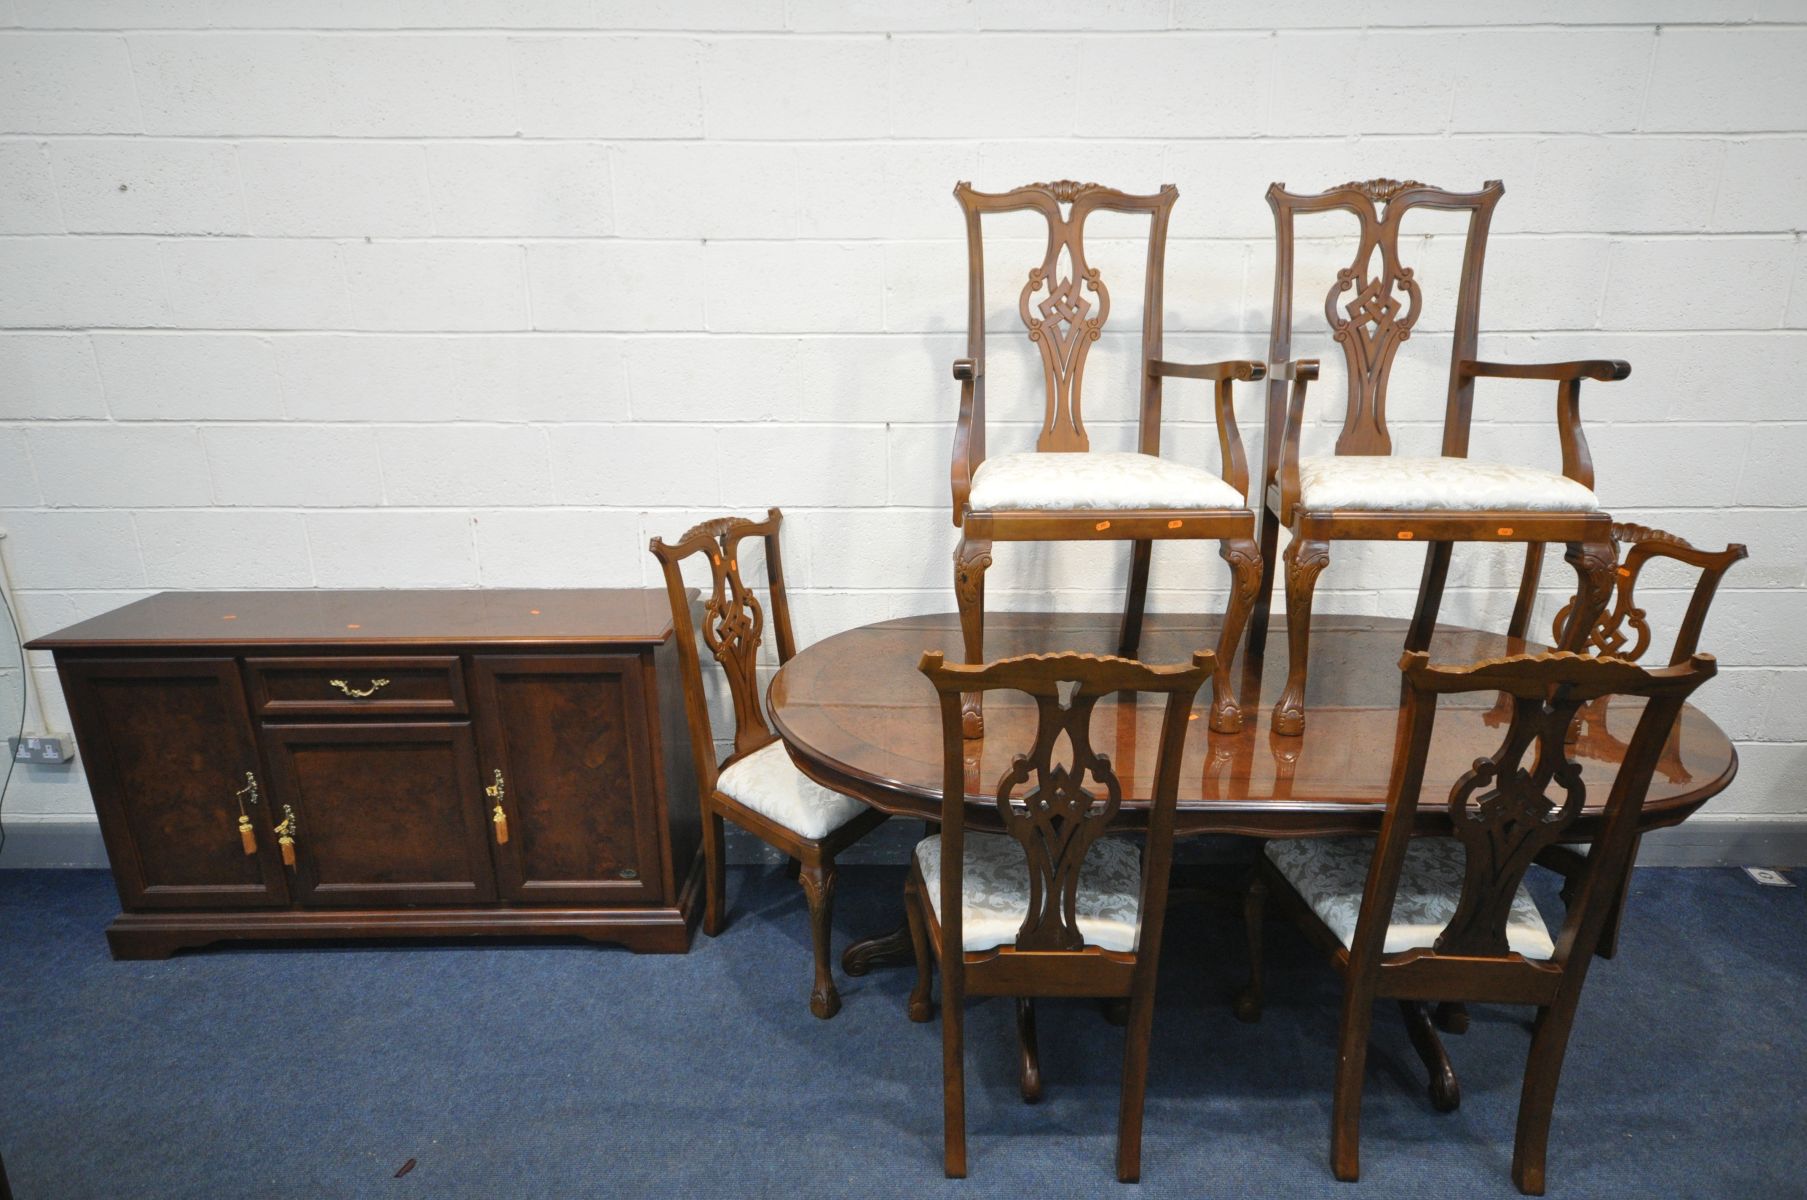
(326, 687)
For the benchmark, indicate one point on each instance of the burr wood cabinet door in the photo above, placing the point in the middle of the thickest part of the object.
(567, 751)
(172, 763)
(381, 815)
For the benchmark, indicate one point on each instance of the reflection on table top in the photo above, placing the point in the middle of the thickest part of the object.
(857, 716)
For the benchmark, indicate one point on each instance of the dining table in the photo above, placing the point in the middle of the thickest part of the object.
(858, 717)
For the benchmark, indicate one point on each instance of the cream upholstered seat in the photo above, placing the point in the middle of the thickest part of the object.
(1400, 483)
(1053, 481)
(1330, 874)
(767, 782)
(996, 879)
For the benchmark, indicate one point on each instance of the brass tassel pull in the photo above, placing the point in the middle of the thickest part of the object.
(496, 791)
(247, 795)
(285, 836)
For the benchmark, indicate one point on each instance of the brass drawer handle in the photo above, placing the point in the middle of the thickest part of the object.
(363, 693)
(498, 791)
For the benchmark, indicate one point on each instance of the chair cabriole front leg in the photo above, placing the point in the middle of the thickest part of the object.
(1244, 558)
(1305, 560)
(1596, 566)
(971, 559)
(818, 888)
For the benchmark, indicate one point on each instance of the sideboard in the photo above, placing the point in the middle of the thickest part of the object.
(336, 764)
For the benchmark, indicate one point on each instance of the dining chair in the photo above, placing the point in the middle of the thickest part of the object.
(1625, 633)
(756, 785)
(1365, 492)
(1048, 907)
(1423, 919)
(1063, 490)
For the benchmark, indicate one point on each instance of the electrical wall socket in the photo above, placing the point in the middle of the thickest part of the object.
(43, 748)
(1768, 878)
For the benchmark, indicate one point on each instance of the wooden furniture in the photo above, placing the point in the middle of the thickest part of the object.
(1422, 919)
(1364, 492)
(857, 717)
(387, 764)
(1625, 633)
(755, 786)
(1048, 907)
(1062, 490)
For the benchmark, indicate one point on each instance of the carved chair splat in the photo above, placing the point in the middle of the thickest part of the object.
(1625, 633)
(1052, 494)
(1446, 920)
(1371, 312)
(1049, 907)
(755, 786)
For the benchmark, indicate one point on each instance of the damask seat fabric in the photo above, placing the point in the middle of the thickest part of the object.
(1400, 483)
(1059, 481)
(1330, 874)
(767, 782)
(995, 880)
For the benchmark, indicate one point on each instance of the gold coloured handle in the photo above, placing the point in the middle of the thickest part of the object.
(498, 791)
(247, 795)
(363, 693)
(285, 836)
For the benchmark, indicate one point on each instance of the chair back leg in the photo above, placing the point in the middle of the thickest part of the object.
(1351, 1065)
(1527, 591)
(1543, 1069)
(1135, 1085)
(1268, 537)
(1135, 599)
(1430, 596)
(953, 1075)
(715, 871)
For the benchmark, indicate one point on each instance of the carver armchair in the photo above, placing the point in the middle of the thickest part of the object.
(1062, 490)
(1365, 492)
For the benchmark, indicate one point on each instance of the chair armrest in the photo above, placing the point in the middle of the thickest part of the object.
(969, 433)
(1301, 371)
(1305, 369)
(1604, 369)
(1234, 368)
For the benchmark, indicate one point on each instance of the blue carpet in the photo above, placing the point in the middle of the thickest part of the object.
(565, 1070)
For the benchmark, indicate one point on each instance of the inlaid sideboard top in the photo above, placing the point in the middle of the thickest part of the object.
(476, 616)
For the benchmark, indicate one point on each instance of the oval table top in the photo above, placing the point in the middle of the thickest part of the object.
(858, 717)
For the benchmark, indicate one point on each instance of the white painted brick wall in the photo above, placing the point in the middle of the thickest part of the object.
(363, 293)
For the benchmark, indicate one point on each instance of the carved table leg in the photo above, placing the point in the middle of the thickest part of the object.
(971, 559)
(1245, 570)
(1029, 1079)
(1305, 561)
(818, 888)
(1445, 1091)
(1595, 566)
(886, 950)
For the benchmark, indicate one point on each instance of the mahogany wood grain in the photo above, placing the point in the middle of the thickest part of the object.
(579, 798)
(857, 716)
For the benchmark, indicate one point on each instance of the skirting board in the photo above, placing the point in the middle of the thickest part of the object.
(1703, 842)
